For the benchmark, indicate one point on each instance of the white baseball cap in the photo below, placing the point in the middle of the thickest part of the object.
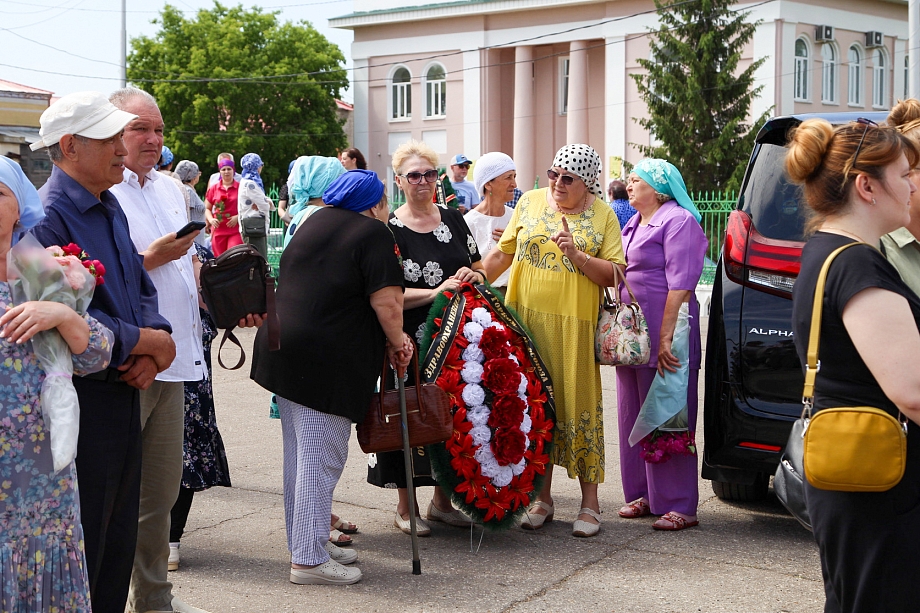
(88, 114)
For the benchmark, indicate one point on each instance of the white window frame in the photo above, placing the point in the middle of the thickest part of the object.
(564, 65)
(880, 79)
(802, 74)
(437, 89)
(855, 76)
(829, 76)
(403, 93)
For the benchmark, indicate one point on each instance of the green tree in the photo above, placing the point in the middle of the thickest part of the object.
(238, 80)
(698, 99)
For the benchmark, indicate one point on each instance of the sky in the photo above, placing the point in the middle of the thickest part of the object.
(66, 46)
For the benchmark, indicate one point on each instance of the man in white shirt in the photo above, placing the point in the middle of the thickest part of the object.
(467, 196)
(155, 210)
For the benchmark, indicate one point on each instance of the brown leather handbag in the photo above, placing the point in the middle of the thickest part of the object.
(427, 409)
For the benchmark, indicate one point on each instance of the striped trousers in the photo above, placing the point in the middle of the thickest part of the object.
(315, 450)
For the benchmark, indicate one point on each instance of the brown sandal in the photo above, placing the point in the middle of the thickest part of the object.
(673, 521)
(637, 508)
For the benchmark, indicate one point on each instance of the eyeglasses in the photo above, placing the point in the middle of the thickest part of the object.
(415, 178)
(867, 123)
(564, 179)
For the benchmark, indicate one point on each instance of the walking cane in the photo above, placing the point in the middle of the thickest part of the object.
(407, 455)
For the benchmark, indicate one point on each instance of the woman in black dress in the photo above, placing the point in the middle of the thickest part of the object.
(439, 253)
(858, 183)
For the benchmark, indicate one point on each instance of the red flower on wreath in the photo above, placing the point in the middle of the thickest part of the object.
(507, 411)
(501, 375)
(508, 446)
(494, 343)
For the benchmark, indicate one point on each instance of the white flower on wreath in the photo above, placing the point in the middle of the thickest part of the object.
(471, 244)
(411, 270)
(471, 372)
(488, 465)
(442, 233)
(473, 395)
(503, 477)
(522, 387)
(473, 353)
(472, 331)
(518, 468)
(478, 416)
(433, 274)
(481, 435)
(527, 423)
(482, 316)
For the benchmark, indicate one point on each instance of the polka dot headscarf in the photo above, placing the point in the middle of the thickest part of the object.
(583, 161)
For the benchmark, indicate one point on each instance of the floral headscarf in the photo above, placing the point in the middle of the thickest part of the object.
(666, 179)
(583, 161)
(251, 163)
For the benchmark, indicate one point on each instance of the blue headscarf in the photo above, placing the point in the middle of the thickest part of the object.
(166, 155)
(356, 190)
(665, 179)
(291, 166)
(311, 175)
(30, 206)
(251, 163)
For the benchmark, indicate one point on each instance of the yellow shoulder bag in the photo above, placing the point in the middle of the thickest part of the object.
(848, 449)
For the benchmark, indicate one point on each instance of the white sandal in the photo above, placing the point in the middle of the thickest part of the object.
(585, 528)
(535, 521)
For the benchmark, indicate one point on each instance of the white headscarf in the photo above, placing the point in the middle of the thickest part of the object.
(490, 166)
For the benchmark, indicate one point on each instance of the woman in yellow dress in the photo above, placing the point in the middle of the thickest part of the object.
(562, 245)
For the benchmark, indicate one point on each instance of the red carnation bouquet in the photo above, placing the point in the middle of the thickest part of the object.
(502, 405)
(58, 274)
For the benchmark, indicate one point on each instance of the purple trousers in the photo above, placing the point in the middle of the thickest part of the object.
(670, 485)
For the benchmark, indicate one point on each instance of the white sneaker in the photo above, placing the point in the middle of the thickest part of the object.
(173, 562)
(330, 573)
(342, 556)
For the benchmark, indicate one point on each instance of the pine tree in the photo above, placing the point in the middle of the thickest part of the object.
(698, 100)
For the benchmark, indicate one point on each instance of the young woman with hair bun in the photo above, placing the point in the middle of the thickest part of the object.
(857, 184)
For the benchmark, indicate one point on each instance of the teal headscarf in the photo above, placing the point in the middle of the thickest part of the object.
(665, 179)
(311, 176)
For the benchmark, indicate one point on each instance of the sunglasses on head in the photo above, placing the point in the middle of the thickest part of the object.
(867, 123)
(564, 179)
(415, 178)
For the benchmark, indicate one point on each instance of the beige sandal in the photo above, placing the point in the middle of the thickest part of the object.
(535, 521)
(584, 528)
(339, 538)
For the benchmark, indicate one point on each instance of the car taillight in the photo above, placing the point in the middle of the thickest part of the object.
(752, 259)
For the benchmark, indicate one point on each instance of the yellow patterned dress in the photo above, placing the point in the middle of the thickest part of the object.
(560, 304)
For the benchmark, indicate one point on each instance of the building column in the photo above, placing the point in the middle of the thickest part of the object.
(472, 105)
(615, 116)
(524, 153)
(576, 122)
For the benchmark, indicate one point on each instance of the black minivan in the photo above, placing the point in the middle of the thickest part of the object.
(753, 377)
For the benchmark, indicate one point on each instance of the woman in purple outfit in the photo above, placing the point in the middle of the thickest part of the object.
(665, 247)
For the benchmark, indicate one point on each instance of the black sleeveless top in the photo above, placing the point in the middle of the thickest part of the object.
(844, 379)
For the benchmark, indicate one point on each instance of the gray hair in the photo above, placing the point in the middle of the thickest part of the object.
(121, 97)
(55, 153)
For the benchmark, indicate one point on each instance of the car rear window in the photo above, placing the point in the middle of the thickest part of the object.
(775, 205)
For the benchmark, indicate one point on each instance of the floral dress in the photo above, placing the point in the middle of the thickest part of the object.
(204, 457)
(42, 563)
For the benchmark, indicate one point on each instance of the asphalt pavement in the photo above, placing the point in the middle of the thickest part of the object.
(234, 558)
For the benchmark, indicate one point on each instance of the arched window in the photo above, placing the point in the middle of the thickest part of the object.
(401, 94)
(435, 91)
(855, 71)
(828, 73)
(879, 89)
(802, 72)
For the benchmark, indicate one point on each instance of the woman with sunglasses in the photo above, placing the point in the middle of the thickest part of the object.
(562, 245)
(438, 253)
(857, 186)
(665, 248)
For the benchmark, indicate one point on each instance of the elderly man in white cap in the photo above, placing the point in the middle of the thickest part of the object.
(83, 135)
(495, 183)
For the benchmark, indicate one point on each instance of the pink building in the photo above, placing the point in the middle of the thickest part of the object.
(528, 76)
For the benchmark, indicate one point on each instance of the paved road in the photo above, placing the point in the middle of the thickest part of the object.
(742, 557)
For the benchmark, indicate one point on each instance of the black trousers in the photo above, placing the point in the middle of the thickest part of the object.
(870, 542)
(178, 517)
(109, 481)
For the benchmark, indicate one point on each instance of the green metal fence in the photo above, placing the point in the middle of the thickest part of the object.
(714, 206)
